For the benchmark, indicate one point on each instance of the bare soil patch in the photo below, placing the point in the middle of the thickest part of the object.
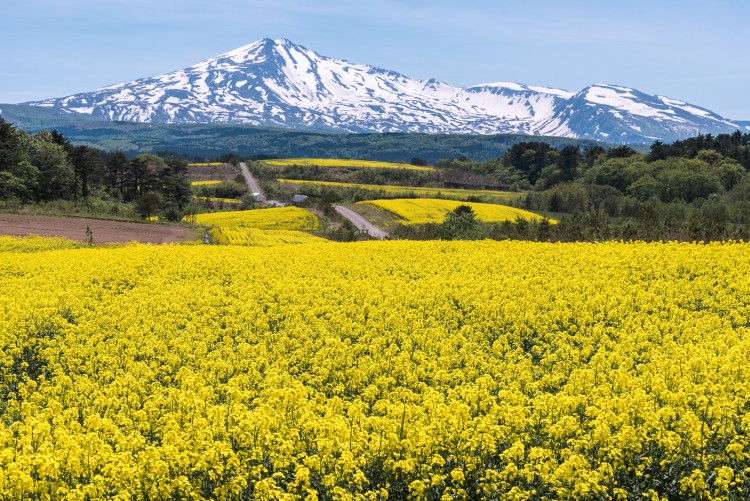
(103, 231)
(226, 172)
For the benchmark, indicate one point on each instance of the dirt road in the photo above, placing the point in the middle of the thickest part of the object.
(74, 228)
(360, 222)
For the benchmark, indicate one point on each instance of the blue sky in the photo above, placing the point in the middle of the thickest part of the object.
(690, 50)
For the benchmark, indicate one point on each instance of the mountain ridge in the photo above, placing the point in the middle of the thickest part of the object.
(279, 83)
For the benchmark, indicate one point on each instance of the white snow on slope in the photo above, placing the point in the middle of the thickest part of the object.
(621, 98)
(280, 83)
(685, 106)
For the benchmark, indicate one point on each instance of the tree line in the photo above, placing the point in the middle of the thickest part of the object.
(696, 189)
(45, 167)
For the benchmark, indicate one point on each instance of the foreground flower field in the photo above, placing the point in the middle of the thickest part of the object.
(376, 370)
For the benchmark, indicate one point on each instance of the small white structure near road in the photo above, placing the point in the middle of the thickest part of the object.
(259, 197)
(296, 199)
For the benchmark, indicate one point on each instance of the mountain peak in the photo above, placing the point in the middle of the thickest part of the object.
(277, 82)
(284, 41)
(502, 85)
(257, 50)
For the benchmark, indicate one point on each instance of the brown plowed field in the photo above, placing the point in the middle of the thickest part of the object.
(74, 228)
(226, 172)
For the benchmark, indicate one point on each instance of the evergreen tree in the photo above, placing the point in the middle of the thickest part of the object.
(567, 163)
(141, 176)
(591, 153)
(175, 189)
(11, 152)
(461, 222)
(530, 158)
(116, 164)
(56, 174)
(88, 168)
(659, 151)
(623, 151)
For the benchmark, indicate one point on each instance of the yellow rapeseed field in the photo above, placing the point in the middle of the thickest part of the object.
(376, 370)
(35, 244)
(206, 164)
(276, 218)
(208, 182)
(232, 201)
(433, 210)
(237, 235)
(417, 190)
(336, 162)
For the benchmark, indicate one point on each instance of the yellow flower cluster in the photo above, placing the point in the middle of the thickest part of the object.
(208, 182)
(434, 210)
(461, 194)
(376, 370)
(206, 164)
(336, 162)
(237, 235)
(35, 244)
(276, 218)
(232, 201)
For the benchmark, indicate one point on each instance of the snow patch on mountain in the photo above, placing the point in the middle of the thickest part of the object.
(276, 82)
(623, 99)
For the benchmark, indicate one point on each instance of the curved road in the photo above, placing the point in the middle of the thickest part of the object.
(360, 222)
(253, 185)
(363, 224)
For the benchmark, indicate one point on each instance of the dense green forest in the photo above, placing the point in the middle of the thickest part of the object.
(696, 189)
(212, 140)
(45, 168)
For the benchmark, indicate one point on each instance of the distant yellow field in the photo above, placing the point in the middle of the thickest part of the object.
(236, 235)
(277, 218)
(405, 190)
(233, 201)
(206, 183)
(205, 164)
(433, 210)
(336, 162)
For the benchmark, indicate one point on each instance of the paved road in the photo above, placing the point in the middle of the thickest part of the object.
(360, 222)
(253, 185)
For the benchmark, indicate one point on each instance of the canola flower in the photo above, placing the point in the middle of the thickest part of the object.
(232, 201)
(208, 182)
(434, 210)
(237, 235)
(276, 218)
(33, 243)
(261, 227)
(206, 164)
(336, 162)
(416, 190)
(376, 370)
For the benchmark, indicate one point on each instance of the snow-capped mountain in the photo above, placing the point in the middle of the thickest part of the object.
(276, 82)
